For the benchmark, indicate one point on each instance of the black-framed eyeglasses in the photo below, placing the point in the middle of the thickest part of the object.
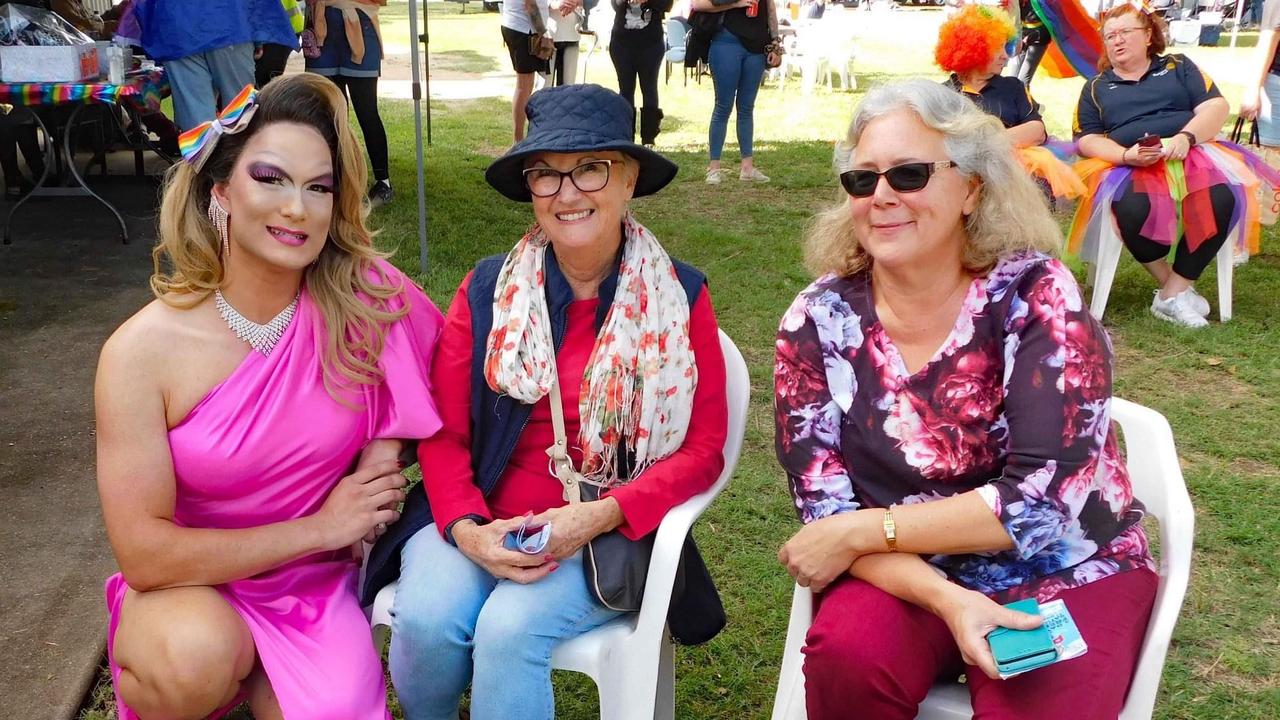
(545, 181)
(908, 177)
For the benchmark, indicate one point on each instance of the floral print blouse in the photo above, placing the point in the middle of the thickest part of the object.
(1015, 404)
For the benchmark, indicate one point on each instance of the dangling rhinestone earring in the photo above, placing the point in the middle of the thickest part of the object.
(219, 217)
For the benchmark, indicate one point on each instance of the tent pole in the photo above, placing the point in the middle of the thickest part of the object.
(417, 133)
(424, 38)
(1235, 27)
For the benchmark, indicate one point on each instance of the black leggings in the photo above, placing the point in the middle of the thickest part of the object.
(631, 61)
(271, 64)
(363, 93)
(1131, 211)
(14, 134)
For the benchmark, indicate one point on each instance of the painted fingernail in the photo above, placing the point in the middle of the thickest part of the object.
(554, 568)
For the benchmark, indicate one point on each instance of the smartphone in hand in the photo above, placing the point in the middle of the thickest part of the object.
(1149, 141)
(1017, 651)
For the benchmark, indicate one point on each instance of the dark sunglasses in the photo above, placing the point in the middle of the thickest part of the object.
(908, 177)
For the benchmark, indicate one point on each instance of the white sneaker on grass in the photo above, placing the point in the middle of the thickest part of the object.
(1177, 310)
(1197, 301)
(754, 176)
(714, 176)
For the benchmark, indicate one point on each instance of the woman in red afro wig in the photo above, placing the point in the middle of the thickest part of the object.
(972, 47)
(972, 39)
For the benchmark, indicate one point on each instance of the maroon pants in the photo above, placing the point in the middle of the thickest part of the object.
(872, 652)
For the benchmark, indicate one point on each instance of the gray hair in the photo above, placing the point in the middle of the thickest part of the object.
(1011, 216)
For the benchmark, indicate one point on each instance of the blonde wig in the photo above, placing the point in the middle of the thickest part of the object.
(345, 283)
(1012, 213)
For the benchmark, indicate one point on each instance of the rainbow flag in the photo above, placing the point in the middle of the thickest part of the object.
(1077, 39)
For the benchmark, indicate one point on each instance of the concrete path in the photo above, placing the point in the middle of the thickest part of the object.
(65, 283)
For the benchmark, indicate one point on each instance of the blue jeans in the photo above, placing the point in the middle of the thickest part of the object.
(735, 71)
(1269, 111)
(454, 623)
(197, 81)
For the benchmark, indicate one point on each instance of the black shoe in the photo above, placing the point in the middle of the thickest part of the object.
(650, 125)
(14, 191)
(381, 193)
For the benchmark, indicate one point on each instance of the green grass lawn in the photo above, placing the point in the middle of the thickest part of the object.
(1219, 387)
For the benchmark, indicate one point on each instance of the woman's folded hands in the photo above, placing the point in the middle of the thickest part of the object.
(484, 545)
(573, 526)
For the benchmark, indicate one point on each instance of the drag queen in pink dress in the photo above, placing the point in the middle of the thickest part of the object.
(239, 463)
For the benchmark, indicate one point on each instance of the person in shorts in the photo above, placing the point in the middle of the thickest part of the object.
(517, 27)
(1261, 98)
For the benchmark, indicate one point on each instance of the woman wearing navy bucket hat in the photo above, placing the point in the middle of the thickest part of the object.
(588, 312)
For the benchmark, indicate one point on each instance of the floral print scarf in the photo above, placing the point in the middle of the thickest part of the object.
(637, 391)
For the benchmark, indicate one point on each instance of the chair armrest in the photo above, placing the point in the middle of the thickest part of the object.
(669, 542)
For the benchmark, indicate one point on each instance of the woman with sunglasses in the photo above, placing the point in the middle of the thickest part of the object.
(1157, 179)
(942, 405)
(588, 305)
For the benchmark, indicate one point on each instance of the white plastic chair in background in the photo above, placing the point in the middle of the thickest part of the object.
(1103, 274)
(598, 27)
(1157, 481)
(631, 658)
(818, 50)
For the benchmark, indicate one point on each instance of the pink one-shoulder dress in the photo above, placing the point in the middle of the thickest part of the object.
(267, 445)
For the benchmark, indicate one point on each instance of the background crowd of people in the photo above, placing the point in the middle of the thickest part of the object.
(941, 391)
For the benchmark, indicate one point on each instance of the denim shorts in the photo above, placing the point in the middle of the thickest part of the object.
(335, 54)
(1269, 111)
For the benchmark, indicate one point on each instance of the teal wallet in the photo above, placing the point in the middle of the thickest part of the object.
(1017, 651)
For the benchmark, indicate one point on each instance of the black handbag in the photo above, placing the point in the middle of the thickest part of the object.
(1239, 137)
(615, 566)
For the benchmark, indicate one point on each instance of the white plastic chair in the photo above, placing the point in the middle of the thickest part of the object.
(1157, 482)
(630, 658)
(1103, 273)
(598, 28)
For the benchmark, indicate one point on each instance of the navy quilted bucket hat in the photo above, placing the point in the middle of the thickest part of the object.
(573, 119)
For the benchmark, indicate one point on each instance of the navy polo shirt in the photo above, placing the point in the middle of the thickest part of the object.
(1161, 102)
(1003, 96)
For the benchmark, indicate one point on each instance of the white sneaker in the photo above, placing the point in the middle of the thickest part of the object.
(754, 176)
(1178, 310)
(713, 177)
(1197, 301)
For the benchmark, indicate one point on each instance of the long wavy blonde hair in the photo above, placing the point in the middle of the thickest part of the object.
(345, 282)
(1012, 214)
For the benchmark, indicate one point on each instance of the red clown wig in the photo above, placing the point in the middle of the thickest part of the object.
(971, 38)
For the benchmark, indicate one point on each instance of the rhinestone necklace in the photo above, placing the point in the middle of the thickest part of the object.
(262, 338)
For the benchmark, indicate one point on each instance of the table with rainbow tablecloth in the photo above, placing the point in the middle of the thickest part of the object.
(141, 92)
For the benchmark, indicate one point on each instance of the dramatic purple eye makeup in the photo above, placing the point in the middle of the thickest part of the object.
(271, 175)
(265, 173)
(324, 183)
